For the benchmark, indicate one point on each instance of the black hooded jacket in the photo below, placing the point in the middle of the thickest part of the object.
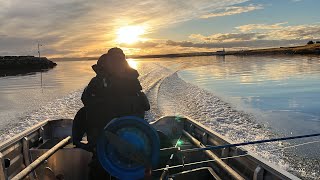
(117, 95)
(108, 97)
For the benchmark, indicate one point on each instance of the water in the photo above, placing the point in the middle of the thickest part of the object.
(281, 91)
(244, 99)
(23, 97)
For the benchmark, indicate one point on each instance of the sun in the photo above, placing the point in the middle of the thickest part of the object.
(129, 34)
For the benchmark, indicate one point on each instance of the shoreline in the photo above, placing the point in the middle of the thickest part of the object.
(312, 49)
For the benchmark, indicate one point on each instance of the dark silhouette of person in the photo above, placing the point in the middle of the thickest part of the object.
(115, 91)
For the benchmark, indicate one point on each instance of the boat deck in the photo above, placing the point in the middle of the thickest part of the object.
(68, 162)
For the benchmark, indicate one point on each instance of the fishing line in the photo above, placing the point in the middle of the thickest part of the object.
(198, 162)
(296, 145)
(248, 143)
(232, 157)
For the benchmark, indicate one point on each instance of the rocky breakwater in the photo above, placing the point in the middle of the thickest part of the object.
(14, 65)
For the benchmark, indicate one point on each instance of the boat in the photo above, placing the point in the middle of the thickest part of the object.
(221, 53)
(45, 151)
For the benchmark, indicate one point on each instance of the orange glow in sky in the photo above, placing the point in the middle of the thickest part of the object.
(148, 27)
(130, 34)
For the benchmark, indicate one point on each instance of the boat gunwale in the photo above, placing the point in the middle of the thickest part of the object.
(23, 134)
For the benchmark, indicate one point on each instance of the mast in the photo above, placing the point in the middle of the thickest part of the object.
(39, 60)
(39, 49)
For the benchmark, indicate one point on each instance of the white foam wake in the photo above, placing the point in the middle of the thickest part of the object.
(170, 95)
(62, 108)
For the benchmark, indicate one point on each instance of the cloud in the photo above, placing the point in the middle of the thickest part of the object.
(24, 45)
(140, 44)
(251, 27)
(232, 10)
(296, 32)
(274, 35)
(276, 31)
(282, 31)
(235, 44)
(84, 27)
(249, 36)
(88, 28)
(225, 37)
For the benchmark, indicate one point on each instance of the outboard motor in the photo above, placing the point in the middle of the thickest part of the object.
(128, 147)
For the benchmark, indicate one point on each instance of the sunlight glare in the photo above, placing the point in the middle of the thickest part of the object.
(129, 34)
(132, 63)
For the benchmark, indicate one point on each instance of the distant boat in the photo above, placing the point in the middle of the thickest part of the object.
(221, 53)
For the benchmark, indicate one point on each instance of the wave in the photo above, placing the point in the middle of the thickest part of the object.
(62, 108)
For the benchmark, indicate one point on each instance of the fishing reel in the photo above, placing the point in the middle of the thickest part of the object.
(128, 148)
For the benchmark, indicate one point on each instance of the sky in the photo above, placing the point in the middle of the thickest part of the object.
(81, 28)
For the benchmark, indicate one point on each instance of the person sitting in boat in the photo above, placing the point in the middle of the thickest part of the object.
(115, 91)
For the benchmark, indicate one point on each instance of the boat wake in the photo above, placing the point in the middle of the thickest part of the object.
(62, 108)
(170, 95)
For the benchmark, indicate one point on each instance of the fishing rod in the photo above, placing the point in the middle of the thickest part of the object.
(239, 144)
(248, 143)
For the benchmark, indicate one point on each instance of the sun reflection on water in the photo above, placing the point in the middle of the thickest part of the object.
(132, 63)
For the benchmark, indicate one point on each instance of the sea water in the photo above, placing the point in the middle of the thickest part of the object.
(243, 98)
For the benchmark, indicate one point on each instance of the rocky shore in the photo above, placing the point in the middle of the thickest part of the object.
(13, 65)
